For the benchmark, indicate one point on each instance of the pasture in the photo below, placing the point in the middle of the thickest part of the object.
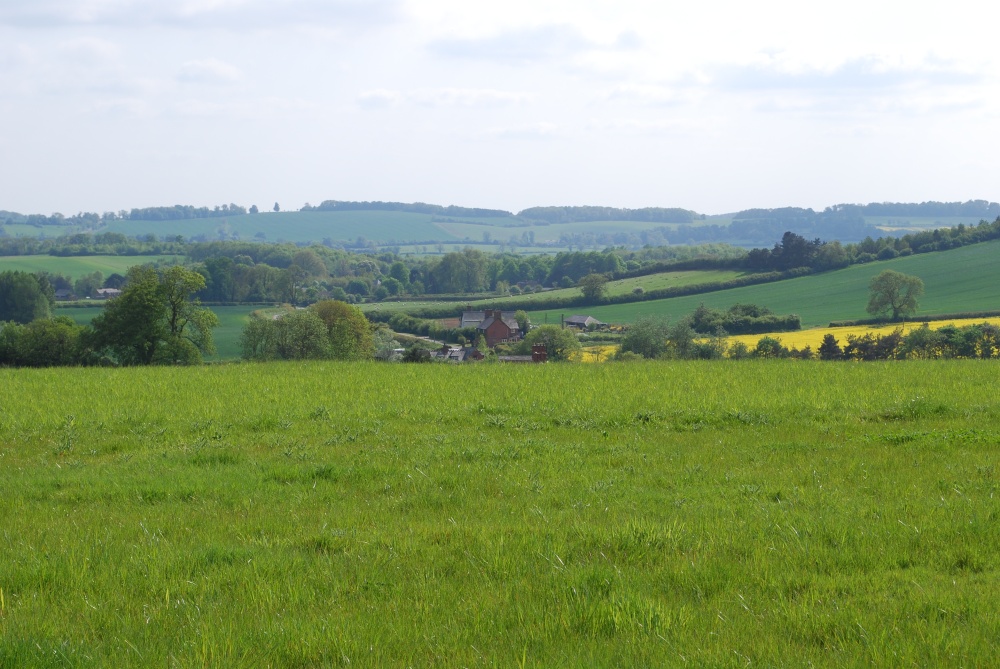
(77, 266)
(770, 513)
(959, 280)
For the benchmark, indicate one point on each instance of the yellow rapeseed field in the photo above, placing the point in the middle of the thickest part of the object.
(814, 336)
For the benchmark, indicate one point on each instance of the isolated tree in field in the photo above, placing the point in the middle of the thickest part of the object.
(894, 292)
(155, 320)
(24, 297)
(593, 286)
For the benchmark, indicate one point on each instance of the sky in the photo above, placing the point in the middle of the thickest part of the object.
(715, 106)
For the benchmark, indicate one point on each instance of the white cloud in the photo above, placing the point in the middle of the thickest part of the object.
(441, 97)
(222, 14)
(209, 71)
(528, 45)
(531, 131)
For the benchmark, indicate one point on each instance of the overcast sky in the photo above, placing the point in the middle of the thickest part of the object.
(714, 106)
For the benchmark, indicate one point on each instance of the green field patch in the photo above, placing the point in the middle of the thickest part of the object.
(297, 514)
(311, 226)
(77, 266)
(955, 281)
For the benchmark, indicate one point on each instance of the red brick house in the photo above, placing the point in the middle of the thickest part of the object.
(497, 327)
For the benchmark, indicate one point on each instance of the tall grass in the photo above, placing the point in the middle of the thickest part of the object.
(325, 514)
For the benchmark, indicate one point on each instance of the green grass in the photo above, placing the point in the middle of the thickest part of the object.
(959, 280)
(77, 266)
(378, 226)
(662, 514)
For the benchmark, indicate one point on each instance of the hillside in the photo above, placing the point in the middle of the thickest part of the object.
(398, 224)
(959, 280)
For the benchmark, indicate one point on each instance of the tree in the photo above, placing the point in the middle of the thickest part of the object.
(349, 332)
(559, 343)
(276, 207)
(646, 337)
(593, 286)
(523, 322)
(24, 297)
(830, 349)
(155, 320)
(896, 292)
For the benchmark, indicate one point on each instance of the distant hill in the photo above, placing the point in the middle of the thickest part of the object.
(379, 224)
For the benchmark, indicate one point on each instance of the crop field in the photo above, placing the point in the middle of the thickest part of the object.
(900, 225)
(760, 513)
(813, 337)
(549, 233)
(77, 266)
(960, 280)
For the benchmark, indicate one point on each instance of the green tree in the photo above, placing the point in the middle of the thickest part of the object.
(830, 349)
(559, 342)
(349, 332)
(646, 337)
(523, 322)
(300, 335)
(155, 320)
(593, 286)
(24, 297)
(894, 292)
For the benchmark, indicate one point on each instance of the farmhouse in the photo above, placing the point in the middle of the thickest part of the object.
(497, 327)
(108, 292)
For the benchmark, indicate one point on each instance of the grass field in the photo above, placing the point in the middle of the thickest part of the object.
(959, 280)
(77, 266)
(377, 226)
(660, 514)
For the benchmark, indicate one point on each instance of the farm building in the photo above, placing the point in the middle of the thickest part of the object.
(584, 323)
(497, 327)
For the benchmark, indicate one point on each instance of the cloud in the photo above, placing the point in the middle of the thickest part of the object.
(89, 49)
(210, 71)
(442, 97)
(520, 47)
(861, 74)
(222, 14)
(533, 131)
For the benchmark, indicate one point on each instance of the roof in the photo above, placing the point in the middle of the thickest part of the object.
(511, 324)
(471, 319)
(515, 358)
(582, 320)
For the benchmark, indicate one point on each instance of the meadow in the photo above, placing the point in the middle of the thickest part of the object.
(78, 266)
(775, 513)
(960, 280)
(296, 226)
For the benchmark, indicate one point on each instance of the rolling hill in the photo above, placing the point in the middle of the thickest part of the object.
(960, 280)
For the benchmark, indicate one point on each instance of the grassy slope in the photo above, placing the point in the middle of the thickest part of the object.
(712, 514)
(77, 266)
(379, 226)
(963, 279)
